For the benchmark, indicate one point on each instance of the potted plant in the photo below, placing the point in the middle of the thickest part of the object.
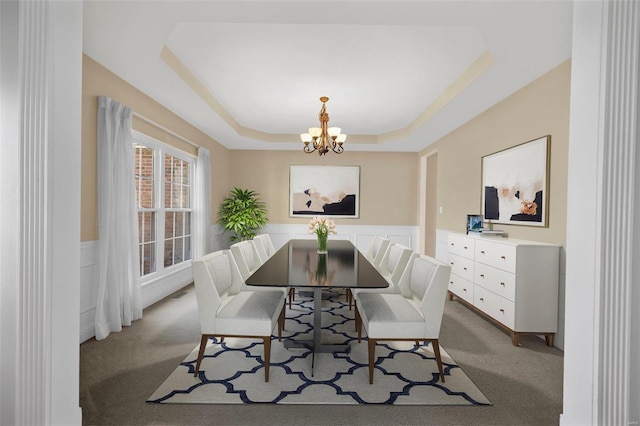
(242, 214)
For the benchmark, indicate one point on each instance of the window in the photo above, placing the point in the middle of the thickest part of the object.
(164, 185)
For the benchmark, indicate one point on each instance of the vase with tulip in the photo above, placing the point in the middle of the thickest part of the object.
(322, 226)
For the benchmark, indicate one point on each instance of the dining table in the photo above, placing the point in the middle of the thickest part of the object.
(298, 264)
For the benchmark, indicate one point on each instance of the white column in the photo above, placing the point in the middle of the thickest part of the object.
(9, 208)
(65, 165)
(41, 78)
(620, 132)
(600, 245)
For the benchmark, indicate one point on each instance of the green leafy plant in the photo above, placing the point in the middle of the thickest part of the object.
(242, 214)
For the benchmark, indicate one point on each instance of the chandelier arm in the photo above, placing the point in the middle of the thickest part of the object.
(308, 149)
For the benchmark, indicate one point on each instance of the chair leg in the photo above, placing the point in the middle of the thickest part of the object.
(372, 355)
(281, 322)
(358, 324)
(292, 296)
(203, 345)
(436, 351)
(267, 356)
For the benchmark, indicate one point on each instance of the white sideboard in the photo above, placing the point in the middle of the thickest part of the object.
(512, 282)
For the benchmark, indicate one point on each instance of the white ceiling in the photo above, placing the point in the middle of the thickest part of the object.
(399, 74)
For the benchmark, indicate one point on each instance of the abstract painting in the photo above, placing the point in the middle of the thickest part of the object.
(324, 190)
(515, 184)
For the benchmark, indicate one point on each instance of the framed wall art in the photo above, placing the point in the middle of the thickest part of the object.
(515, 186)
(324, 190)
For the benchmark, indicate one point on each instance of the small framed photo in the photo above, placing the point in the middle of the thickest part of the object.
(474, 222)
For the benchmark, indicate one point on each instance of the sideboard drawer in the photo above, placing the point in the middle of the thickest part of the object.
(502, 256)
(461, 245)
(501, 282)
(499, 308)
(461, 266)
(461, 288)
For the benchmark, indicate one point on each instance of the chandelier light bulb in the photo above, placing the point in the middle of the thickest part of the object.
(305, 137)
(334, 131)
(315, 132)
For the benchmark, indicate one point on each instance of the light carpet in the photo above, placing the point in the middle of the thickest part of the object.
(232, 372)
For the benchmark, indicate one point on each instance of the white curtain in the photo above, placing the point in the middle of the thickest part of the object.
(202, 204)
(119, 295)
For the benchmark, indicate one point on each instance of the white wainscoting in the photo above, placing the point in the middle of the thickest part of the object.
(155, 290)
(88, 288)
(152, 291)
(360, 235)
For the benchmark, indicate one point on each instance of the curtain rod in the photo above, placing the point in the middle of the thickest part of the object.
(161, 127)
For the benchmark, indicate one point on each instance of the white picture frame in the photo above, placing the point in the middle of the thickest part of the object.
(324, 191)
(515, 184)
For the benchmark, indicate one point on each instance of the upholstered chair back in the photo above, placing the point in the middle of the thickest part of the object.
(246, 256)
(264, 245)
(377, 249)
(425, 284)
(394, 262)
(216, 277)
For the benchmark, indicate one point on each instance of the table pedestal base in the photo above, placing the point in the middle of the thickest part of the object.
(316, 345)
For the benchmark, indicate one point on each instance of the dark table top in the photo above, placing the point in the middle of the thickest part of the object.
(297, 264)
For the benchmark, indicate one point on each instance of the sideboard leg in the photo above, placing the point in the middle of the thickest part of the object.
(515, 339)
(549, 338)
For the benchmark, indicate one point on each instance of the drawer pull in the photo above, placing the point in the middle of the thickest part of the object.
(452, 263)
(450, 282)
(502, 310)
(452, 244)
(465, 268)
(481, 275)
(466, 248)
(481, 251)
(502, 284)
(482, 299)
(464, 289)
(503, 257)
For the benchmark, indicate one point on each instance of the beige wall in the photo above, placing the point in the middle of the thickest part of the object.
(97, 81)
(540, 108)
(388, 182)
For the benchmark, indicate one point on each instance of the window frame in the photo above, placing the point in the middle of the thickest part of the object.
(159, 151)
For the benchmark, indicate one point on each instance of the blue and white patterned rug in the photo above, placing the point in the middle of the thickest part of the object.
(232, 372)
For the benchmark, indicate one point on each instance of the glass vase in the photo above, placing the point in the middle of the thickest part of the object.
(322, 244)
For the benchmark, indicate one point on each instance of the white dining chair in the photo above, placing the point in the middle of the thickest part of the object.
(266, 249)
(227, 310)
(374, 254)
(413, 314)
(265, 246)
(391, 267)
(248, 259)
(377, 249)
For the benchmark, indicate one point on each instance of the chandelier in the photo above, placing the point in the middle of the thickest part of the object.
(323, 138)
